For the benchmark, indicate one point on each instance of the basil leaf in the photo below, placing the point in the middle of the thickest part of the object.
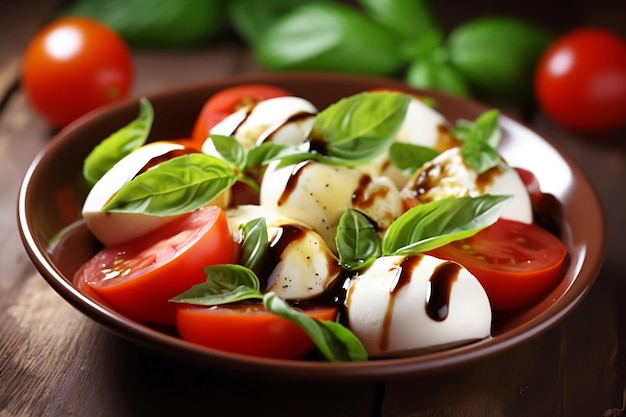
(119, 144)
(486, 129)
(334, 341)
(498, 55)
(432, 74)
(359, 127)
(231, 150)
(480, 140)
(409, 157)
(437, 223)
(329, 37)
(177, 186)
(409, 18)
(268, 152)
(357, 240)
(224, 284)
(250, 18)
(480, 156)
(255, 243)
(157, 23)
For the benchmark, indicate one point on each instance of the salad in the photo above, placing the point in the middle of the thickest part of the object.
(371, 228)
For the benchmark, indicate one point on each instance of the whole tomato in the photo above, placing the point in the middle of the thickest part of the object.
(74, 65)
(580, 81)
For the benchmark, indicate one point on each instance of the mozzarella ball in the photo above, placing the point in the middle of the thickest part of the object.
(111, 228)
(281, 120)
(402, 305)
(318, 195)
(299, 264)
(448, 175)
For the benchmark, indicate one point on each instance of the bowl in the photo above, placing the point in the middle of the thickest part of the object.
(53, 191)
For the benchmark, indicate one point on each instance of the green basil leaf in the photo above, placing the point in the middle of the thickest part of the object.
(357, 240)
(119, 144)
(268, 152)
(182, 184)
(498, 55)
(157, 23)
(255, 243)
(334, 341)
(231, 150)
(224, 284)
(329, 37)
(486, 129)
(409, 18)
(432, 74)
(437, 223)
(480, 139)
(360, 127)
(250, 18)
(408, 157)
(429, 45)
(480, 156)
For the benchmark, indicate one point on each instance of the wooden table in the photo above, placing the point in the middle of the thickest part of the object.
(56, 362)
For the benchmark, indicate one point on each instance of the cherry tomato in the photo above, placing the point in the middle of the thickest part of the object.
(580, 81)
(248, 329)
(74, 65)
(227, 101)
(138, 277)
(515, 262)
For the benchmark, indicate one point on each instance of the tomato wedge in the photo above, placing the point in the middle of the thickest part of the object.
(138, 277)
(246, 328)
(227, 101)
(515, 262)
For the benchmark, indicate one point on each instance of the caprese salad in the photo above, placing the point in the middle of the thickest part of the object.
(371, 228)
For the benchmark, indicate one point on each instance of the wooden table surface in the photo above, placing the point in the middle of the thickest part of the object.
(56, 362)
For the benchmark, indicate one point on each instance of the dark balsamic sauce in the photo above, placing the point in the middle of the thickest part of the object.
(441, 283)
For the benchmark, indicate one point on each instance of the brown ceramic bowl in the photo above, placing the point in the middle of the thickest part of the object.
(53, 191)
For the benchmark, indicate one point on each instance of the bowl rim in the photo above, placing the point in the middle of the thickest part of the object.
(376, 370)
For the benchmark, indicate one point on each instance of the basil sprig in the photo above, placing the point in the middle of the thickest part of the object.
(422, 228)
(119, 144)
(479, 140)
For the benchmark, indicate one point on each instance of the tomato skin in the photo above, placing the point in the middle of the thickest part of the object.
(515, 262)
(184, 247)
(248, 330)
(227, 101)
(580, 81)
(74, 65)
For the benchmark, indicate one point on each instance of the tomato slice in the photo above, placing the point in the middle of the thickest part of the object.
(246, 328)
(227, 101)
(138, 277)
(515, 262)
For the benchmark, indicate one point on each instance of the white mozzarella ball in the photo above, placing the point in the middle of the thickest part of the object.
(112, 228)
(281, 120)
(403, 305)
(448, 175)
(301, 266)
(318, 195)
(422, 126)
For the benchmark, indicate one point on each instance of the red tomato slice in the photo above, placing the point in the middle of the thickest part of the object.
(137, 278)
(247, 329)
(515, 262)
(227, 101)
